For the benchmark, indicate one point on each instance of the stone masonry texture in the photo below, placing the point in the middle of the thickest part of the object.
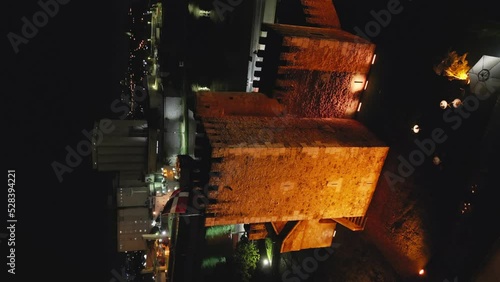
(281, 169)
(315, 72)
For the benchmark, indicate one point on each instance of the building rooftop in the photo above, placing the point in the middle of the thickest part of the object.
(336, 34)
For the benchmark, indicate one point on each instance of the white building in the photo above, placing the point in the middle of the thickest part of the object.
(131, 224)
(120, 145)
(132, 197)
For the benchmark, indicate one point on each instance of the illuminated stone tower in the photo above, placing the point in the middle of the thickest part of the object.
(288, 159)
(313, 71)
(267, 169)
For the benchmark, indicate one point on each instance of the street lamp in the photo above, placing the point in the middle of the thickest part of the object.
(455, 104)
(436, 160)
(443, 104)
(416, 128)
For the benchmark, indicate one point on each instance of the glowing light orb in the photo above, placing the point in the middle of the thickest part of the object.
(456, 103)
(443, 104)
(421, 272)
(436, 160)
(416, 128)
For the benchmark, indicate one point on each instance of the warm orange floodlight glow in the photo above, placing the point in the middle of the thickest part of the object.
(421, 272)
(454, 66)
(358, 83)
(436, 160)
(443, 104)
(456, 103)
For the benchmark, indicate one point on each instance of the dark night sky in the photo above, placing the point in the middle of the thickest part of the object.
(67, 75)
(62, 80)
(405, 91)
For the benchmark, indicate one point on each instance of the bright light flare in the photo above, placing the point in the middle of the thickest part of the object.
(197, 12)
(196, 88)
(416, 128)
(265, 262)
(358, 83)
(373, 60)
(421, 272)
(454, 66)
(436, 160)
(456, 103)
(443, 104)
